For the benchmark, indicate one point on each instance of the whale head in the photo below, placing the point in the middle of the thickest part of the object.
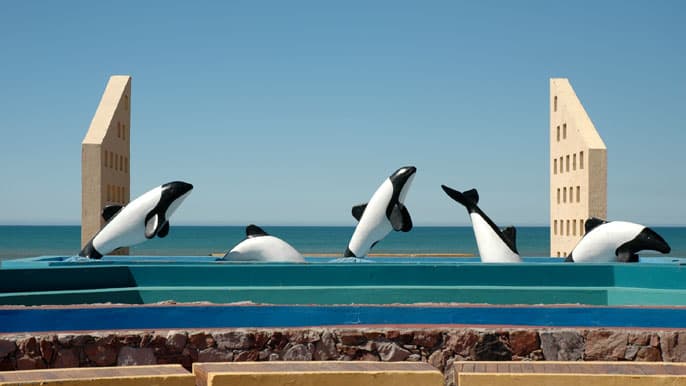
(646, 240)
(172, 195)
(401, 180)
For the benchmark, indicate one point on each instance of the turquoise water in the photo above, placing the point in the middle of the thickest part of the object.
(28, 241)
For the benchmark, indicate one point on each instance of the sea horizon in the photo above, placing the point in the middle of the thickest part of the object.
(18, 241)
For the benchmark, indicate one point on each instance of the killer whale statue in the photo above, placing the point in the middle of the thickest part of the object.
(495, 245)
(384, 212)
(261, 246)
(615, 241)
(141, 219)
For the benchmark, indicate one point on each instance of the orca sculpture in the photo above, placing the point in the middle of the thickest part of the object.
(384, 212)
(495, 246)
(615, 241)
(260, 246)
(141, 219)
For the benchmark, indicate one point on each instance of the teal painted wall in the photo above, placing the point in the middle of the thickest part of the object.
(527, 283)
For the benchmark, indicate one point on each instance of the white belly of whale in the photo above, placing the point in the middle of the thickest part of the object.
(266, 249)
(492, 249)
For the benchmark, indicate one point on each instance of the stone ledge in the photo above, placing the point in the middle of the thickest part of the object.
(440, 347)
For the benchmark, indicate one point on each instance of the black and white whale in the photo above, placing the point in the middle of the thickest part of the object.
(261, 246)
(495, 246)
(141, 219)
(384, 212)
(615, 241)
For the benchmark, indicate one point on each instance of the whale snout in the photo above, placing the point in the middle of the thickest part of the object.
(650, 240)
(177, 188)
(401, 176)
(408, 170)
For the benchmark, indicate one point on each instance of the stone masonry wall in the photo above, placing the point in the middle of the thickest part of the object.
(439, 347)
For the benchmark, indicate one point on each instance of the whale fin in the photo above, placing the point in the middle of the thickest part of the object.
(468, 199)
(400, 218)
(164, 231)
(625, 256)
(151, 226)
(593, 222)
(348, 253)
(510, 233)
(109, 211)
(569, 259)
(253, 230)
(358, 210)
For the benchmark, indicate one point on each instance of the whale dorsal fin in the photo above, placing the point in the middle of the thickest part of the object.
(109, 211)
(253, 230)
(593, 222)
(468, 199)
(358, 210)
(164, 231)
(400, 218)
(510, 233)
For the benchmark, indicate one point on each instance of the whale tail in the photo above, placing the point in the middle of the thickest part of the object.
(469, 199)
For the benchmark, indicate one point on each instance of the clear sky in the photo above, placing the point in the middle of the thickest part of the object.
(290, 112)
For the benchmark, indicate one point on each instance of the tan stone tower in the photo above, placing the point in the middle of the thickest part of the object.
(578, 169)
(105, 153)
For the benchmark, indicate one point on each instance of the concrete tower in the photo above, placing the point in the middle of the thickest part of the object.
(105, 153)
(578, 169)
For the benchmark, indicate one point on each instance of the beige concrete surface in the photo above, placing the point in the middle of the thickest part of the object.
(328, 373)
(578, 169)
(105, 157)
(162, 375)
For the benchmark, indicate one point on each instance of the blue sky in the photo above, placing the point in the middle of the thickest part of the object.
(290, 112)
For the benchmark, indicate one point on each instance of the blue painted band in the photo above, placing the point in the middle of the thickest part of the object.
(190, 317)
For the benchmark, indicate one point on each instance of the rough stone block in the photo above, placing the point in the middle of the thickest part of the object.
(176, 341)
(101, 352)
(648, 354)
(562, 345)
(201, 340)
(427, 339)
(299, 352)
(524, 342)
(325, 348)
(130, 356)
(391, 352)
(491, 348)
(603, 345)
(235, 340)
(462, 342)
(673, 345)
(7, 347)
(215, 355)
(65, 358)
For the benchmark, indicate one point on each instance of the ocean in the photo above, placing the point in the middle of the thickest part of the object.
(29, 241)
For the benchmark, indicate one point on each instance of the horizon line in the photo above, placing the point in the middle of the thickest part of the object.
(533, 225)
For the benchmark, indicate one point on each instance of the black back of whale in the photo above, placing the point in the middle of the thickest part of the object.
(252, 231)
(469, 199)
